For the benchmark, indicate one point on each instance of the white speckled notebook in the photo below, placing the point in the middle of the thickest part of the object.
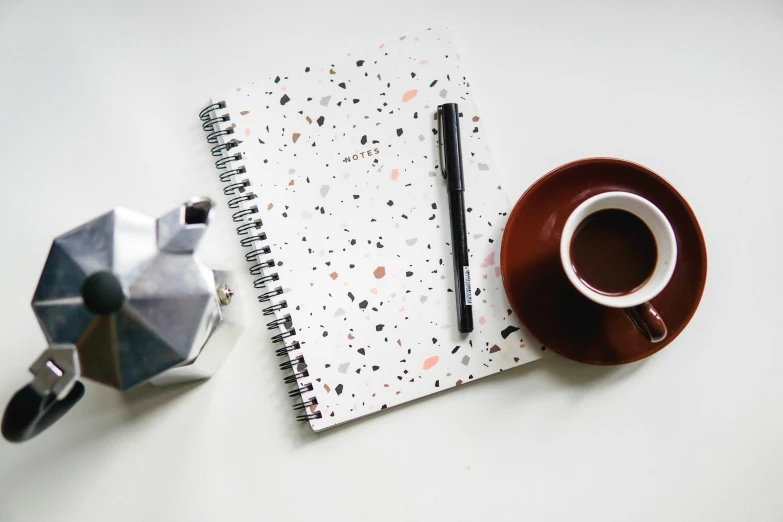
(333, 177)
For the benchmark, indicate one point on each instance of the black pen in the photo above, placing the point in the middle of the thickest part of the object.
(451, 166)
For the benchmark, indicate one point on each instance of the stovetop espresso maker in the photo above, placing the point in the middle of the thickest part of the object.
(122, 300)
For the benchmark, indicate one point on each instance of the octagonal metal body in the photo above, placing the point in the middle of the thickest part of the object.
(170, 316)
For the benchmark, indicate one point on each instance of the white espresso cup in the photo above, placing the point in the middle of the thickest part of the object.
(636, 303)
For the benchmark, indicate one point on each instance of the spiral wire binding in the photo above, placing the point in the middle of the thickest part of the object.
(292, 379)
(240, 215)
(235, 203)
(253, 255)
(248, 241)
(259, 267)
(272, 325)
(243, 230)
(249, 228)
(299, 391)
(279, 338)
(232, 189)
(270, 310)
(287, 349)
(213, 137)
(226, 176)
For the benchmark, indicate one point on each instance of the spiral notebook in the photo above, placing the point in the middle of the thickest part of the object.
(332, 175)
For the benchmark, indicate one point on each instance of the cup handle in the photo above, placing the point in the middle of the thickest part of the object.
(648, 321)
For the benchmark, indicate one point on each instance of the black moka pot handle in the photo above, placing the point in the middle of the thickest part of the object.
(28, 413)
(54, 390)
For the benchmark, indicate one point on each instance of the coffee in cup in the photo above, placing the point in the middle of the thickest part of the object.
(619, 250)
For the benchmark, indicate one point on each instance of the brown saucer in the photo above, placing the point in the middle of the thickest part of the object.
(541, 295)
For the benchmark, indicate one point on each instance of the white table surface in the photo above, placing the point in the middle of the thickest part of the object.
(99, 103)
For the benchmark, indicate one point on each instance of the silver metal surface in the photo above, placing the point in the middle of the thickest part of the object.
(55, 371)
(180, 230)
(171, 307)
(221, 339)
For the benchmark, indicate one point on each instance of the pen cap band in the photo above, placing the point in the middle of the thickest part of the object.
(450, 147)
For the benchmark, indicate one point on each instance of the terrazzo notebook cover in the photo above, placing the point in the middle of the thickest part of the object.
(332, 174)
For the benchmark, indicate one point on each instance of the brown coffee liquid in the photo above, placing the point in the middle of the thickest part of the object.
(613, 252)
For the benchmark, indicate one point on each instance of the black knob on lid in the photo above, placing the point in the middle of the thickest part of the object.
(102, 293)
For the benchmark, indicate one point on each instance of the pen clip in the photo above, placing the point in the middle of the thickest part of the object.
(440, 142)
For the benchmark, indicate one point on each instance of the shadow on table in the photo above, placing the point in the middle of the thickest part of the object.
(103, 414)
(94, 420)
(563, 372)
(575, 374)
